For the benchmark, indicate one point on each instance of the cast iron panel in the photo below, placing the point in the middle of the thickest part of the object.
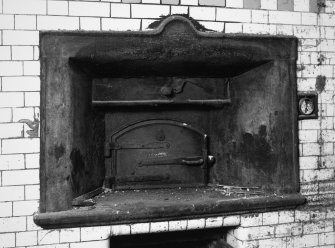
(159, 153)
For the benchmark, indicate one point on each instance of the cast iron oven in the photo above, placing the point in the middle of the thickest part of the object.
(164, 124)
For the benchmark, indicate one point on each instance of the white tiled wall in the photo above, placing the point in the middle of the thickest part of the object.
(20, 22)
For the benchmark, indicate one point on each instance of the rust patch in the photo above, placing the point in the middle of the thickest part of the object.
(320, 83)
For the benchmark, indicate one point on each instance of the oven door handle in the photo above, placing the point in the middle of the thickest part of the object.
(189, 161)
(192, 162)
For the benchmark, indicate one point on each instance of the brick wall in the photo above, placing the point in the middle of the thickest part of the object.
(312, 21)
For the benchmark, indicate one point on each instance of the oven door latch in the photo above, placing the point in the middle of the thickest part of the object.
(190, 161)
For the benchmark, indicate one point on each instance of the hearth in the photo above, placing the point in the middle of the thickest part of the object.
(170, 123)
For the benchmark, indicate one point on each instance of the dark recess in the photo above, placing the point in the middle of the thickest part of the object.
(210, 238)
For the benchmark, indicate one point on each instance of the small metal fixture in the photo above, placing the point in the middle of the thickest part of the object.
(307, 105)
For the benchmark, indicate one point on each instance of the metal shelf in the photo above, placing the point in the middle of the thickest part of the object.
(217, 103)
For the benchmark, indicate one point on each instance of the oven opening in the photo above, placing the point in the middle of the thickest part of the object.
(157, 129)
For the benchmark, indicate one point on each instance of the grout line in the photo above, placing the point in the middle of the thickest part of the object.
(110, 9)
(131, 14)
(47, 7)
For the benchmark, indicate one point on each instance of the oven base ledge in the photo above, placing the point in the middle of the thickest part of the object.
(90, 216)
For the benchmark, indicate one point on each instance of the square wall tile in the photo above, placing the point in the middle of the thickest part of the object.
(252, 4)
(286, 5)
(317, 6)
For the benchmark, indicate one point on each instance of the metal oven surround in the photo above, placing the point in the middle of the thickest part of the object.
(164, 124)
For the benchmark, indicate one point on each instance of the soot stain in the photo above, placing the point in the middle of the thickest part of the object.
(320, 83)
(33, 125)
(256, 149)
(78, 168)
(59, 151)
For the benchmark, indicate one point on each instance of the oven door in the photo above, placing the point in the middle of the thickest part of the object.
(159, 153)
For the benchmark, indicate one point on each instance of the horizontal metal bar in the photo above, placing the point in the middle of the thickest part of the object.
(191, 161)
(153, 145)
(211, 102)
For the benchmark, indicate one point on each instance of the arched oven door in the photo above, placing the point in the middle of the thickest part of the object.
(158, 153)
